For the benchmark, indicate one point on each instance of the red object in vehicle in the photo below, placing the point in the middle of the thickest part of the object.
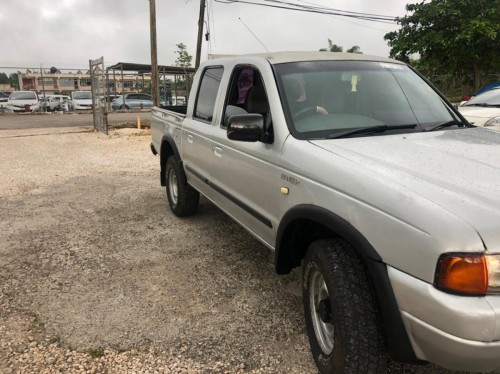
(466, 98)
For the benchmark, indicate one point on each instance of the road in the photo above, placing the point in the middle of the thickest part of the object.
(13, 121)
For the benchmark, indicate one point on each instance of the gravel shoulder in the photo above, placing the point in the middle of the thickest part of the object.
(97, 276)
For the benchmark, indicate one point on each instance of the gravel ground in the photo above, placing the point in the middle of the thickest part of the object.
(97, 276)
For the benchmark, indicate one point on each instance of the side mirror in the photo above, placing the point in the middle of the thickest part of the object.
(245, 127)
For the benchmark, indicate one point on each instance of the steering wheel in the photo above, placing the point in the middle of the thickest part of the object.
(309, 111)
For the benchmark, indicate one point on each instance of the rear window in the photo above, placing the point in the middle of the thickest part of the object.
(207, 93)
(82, 95)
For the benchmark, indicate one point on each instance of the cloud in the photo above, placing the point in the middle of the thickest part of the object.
(70, 32)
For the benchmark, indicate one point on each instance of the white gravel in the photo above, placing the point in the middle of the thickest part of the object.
(97, 276)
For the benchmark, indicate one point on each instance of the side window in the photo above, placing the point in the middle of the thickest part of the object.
(207, 93)
(246, 94)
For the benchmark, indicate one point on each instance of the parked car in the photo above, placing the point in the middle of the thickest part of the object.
(484, 109)
(353, 167)
(81, 100)
(3, 103)
(57, 102)
(485, 88)
(132, 100)
(19, 99)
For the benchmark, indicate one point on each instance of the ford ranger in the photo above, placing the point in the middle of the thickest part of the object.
(357, 169)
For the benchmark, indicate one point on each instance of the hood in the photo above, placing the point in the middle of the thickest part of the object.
(479, 115)
(458, 170)
(83, 101)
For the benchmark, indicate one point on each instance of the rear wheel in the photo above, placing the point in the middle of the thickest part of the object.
(182, 198)
(341, 314)
(123, 106)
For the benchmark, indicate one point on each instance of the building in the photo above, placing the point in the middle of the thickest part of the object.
(65, 83)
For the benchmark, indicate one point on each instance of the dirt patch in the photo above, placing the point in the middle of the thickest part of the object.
(98, 276)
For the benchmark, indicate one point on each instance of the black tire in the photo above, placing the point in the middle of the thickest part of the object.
(182, 198)
(342, 319)
(124, 106)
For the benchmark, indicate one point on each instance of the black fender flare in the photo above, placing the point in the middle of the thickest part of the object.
(399, 345)
(326, 218)
(168, 147)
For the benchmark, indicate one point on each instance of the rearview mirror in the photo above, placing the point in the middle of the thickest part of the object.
(245, 127)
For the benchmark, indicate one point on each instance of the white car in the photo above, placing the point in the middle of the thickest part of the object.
(19, 99)
(483, 110)
(81, 100)
(57, 102)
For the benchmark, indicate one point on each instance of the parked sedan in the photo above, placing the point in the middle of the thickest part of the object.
(483, 110)
(19, 100)
(132, 100)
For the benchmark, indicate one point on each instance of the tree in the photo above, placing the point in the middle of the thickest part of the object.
(451, 35)
(354, 49)
(4, 79)
(332, 47)
(337, 48)
(183, 58)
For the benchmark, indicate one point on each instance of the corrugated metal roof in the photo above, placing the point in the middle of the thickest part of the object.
(145, 68)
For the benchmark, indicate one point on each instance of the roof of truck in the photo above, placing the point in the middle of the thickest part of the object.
(284, 57)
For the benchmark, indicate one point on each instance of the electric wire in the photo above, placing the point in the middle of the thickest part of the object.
(314, 9)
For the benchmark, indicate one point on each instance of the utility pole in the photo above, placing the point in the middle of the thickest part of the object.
(155, 90)
(201, 21)
(44, 103)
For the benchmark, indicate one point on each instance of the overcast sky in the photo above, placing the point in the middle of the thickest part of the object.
(67, 33)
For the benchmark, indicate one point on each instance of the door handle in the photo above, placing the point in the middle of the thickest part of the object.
(190, 138)
(218, 151)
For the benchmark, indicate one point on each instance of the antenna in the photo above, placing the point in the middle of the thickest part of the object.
(255, 36)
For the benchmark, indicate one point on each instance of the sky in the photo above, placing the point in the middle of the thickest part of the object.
(68, 33)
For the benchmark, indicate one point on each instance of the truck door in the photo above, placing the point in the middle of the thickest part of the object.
(198, 129)
(245, 175)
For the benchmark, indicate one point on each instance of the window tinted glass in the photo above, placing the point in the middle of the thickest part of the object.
(207, 93)
(491, 97)
(327, 97)
(23, 95)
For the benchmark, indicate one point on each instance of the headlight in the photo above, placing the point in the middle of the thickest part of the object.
(495, 121)
(468, 274)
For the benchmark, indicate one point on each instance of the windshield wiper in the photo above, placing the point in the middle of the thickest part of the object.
(365, 130)
(442, 125)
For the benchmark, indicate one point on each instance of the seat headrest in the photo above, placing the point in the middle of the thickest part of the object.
(256, 100)
(293, 89)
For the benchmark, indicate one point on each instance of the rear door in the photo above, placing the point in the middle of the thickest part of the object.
(198, 128)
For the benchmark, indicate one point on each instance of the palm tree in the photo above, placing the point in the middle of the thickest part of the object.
(332, 47)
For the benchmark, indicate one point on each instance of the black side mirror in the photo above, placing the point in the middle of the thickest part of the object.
(245, 127)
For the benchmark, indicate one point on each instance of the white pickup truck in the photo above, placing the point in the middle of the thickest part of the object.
(355, 168)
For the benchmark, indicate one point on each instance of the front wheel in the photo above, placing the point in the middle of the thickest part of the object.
(341, 314)
(182, 198)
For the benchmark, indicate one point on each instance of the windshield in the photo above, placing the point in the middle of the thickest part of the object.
(487, 98)
(82, 95)
(324, 97)
(22, 95)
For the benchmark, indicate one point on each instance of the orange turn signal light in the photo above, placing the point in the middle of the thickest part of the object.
(464, 274)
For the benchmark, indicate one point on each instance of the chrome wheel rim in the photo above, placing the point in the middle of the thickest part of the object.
(172, 186)
(319, 303)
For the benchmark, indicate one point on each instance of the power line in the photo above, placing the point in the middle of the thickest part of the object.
(314, 9)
